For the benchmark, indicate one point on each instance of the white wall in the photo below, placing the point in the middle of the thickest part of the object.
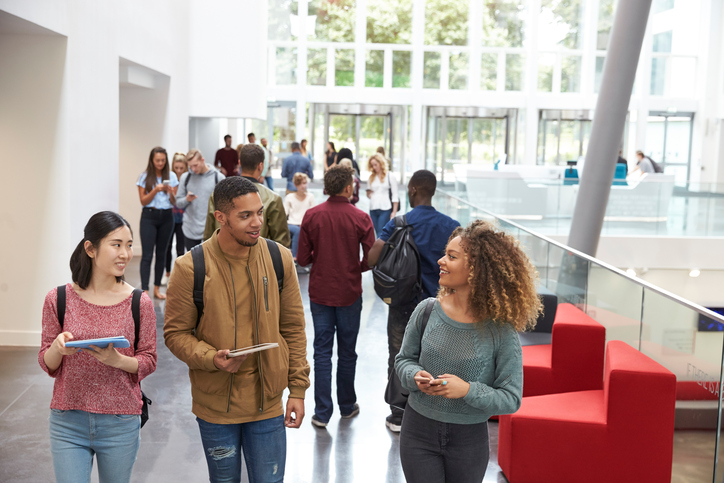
(205, 135)
(227, 58)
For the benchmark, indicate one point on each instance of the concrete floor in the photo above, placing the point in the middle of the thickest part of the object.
(357, 450)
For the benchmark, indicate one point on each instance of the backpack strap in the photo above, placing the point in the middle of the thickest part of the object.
(197, 254)
(425, 317)
(216, 178)
(136, 311)
(186, 182)
(277, 261)
(61, 306)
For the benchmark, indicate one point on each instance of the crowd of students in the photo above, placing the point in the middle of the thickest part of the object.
(460, 359)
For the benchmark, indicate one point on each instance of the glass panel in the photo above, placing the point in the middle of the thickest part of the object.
(662, 41)
(605, 22)
(683, 342)
(571, 73)
(655, 137)
(489, 72)
(389, 22)
(503, 23)
(514, 68)
(599, 74)
(446, 22)
(537, 250)
(374, 68)
(335, 20)
(560, 23)
(317, 67)
(658, 75)
(678, 141)
(615, 301)
(283, 20)
(567, 276)
(570, 142)
(344, 67)
(458, 70)
(286, 66)
(434, 145)
(456, 143)
(401, 68)
(431, 71)
(284, 119)
(661, 6)
(342, 132)
(488, 140)
(548, 142)
(546, 63)
(371, 136)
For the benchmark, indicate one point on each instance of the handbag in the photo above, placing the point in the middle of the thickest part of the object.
(396, 395)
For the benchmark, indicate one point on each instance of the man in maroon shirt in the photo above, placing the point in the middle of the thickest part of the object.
(330, 237)
(227, 159)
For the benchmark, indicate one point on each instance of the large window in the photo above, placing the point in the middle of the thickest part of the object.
(317, 67)
(344, 67)
(283, 20)
(431, 71)
(286, 66)
(374, 68)
(389, 22)
(446, 22)
(560, 23)
(335, 20)
(458, 70)
(668, 142)
(401, 68)
(503, 23)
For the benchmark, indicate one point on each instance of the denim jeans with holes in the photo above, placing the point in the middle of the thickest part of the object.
(263, 443)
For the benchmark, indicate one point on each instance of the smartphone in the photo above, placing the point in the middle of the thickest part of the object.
(167, 182)
(423, 379)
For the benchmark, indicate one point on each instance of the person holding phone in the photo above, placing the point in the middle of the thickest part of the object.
(467, 365)
(96, 404)
(179, 166)
(157, 192)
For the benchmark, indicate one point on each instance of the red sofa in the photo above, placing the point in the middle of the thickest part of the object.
(573, 361)
(621, 433)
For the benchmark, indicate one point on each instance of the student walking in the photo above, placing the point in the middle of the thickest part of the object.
(382, 192)
(96, 403)
(156, 190)
(296, 205)
(179, 166)
(296, 163)
(330, 236)
(430, 231)
(238, 400)
(465, 365)
(195, 189)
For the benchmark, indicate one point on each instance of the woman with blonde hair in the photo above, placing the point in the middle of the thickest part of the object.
(382, 192)
(465, 365)
(178, 166)
(296, 205)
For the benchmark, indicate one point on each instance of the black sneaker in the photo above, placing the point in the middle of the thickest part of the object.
(318, 422)
(394, 423)
(355, 412)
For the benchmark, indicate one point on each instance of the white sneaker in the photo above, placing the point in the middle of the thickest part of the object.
(164, 280)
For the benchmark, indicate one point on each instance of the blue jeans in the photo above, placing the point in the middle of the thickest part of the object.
(380, 219)
(269, 182)
(294, 232)
(264, 444)
(75, 436)
(345, 321)
(436, 452)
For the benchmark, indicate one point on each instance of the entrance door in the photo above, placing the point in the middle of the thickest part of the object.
(562, 136)
(466, 136)
(668, 142)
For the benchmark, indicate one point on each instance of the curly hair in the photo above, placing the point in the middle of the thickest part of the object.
(502, 279)
(383, 166)
(337, 178)
(300, 178)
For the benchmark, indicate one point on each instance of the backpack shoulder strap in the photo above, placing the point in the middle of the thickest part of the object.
(277, 261)
(61, 305)
(186, 181)
(425, 317)
(197, 254)
(136, 311)
(216, 177)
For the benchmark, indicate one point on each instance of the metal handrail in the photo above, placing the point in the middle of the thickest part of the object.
(687, 303)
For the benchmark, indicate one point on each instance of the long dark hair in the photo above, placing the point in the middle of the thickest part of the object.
(151, 169)
(98, 227)
(331, 144)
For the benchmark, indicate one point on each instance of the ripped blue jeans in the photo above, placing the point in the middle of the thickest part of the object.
(263, 443)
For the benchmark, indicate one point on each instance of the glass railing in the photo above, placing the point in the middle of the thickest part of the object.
(652, 206)
(682, 336)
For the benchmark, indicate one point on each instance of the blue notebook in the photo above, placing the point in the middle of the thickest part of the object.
(119, 342)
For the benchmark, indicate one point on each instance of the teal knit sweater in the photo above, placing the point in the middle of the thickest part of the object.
(485, 354)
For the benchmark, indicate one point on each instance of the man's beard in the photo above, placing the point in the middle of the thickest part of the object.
(245, 243)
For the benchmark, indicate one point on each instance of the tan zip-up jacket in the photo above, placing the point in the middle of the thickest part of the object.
(277, 318)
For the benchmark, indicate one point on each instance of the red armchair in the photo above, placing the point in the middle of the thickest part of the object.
(573, 361)
(623, 432)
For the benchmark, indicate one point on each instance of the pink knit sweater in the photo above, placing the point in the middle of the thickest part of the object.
(82, 382)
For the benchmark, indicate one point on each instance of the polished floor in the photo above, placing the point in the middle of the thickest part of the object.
(357, 450)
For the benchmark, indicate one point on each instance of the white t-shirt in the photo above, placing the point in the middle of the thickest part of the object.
(380, 199)
(296, 208)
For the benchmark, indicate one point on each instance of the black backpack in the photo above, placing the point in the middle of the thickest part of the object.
(188, 178)
(397, 274)
(136, 311)
(197, 254)
(657, 167)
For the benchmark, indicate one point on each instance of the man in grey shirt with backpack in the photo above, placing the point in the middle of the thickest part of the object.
(194, 190)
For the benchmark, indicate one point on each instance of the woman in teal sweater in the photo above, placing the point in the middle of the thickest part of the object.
(467, 366)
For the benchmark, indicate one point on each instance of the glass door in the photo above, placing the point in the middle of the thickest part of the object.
(668, 142)
(562, 136)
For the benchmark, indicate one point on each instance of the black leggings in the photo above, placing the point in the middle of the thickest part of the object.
(156, 230)
(178, 231)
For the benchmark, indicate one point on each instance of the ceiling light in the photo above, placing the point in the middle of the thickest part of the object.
(631, 272)
(695, 273)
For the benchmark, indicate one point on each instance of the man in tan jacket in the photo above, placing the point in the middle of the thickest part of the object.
(251, 162)
(239, 399)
